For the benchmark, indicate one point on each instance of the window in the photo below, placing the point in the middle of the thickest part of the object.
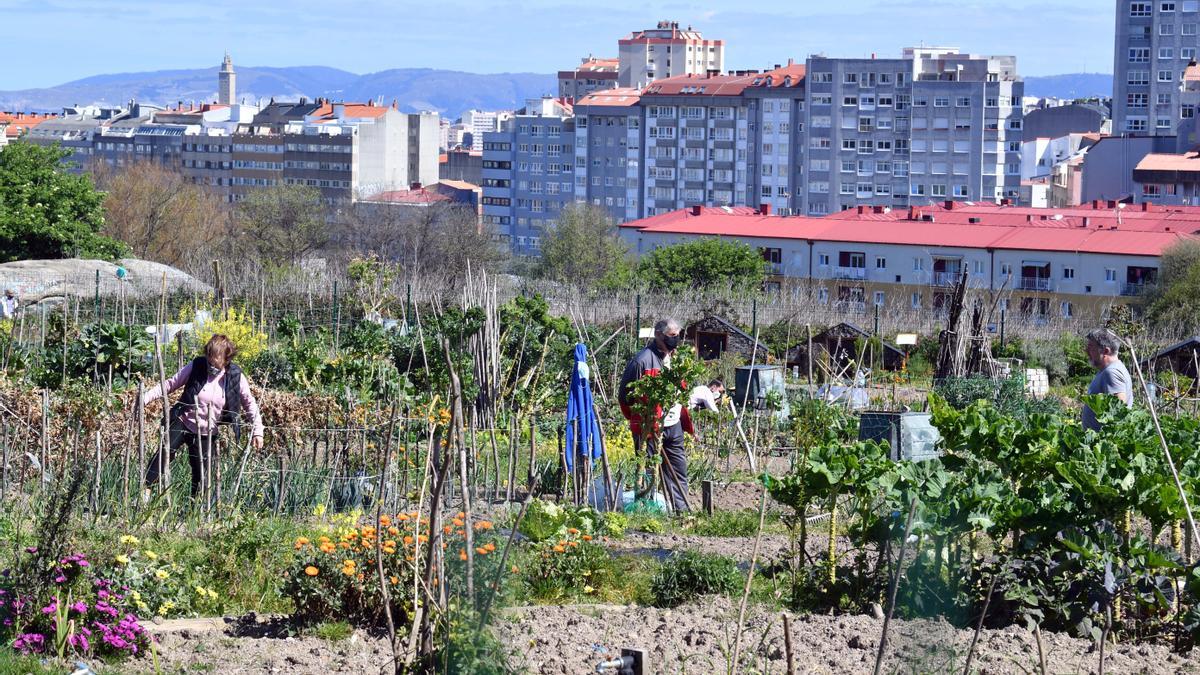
(1006, 269)
(937, 190)
(880, 262)
(1166, 76)
(1166, 52)
(1110, 275)
(1166, 29)
(962, 102)
(1137, 100)
(1139, 77)
(823, 295)
(823, 259)
(1067, 310)
(918, 264)
(1139, 9)
(1187, 53)
(1139, 55)
(1191, 5)
(916, 301)
(1166, 7)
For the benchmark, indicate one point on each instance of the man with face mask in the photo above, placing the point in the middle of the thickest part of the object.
(1112, 377)
(650, 361)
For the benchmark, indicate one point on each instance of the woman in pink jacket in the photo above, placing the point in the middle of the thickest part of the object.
(214, 392)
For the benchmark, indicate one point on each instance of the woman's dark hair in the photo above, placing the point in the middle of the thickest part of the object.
(221, 348)
(716, 383)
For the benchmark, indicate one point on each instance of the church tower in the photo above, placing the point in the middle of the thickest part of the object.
(226, 82)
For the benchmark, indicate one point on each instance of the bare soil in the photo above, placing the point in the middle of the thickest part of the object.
(699, 638)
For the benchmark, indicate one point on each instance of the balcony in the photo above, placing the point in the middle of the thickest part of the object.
(1131, 290)
(945, 278)
(775, 268)
(850, 272)
(1033, 284)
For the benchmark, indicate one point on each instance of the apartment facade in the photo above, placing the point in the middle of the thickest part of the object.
(666, 51)
(592, 74)
(932, 125)
(609, 152)
(1042, 263)
(528, 173)
(1155, 41)
(480, 122)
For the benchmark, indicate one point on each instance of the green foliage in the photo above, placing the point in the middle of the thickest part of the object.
(545, 520)
(46, 212)
(1175, 301)
(687, 575)
(653, 394)
(584, 249)
(565, 568)
(1006, 395)
(284, 223)
(727, 524)
(333, 631)
(703, 263)
(94, 352)
(530, 339)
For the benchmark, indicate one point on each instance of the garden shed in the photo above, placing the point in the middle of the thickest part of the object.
(712, 336)
(1180, 358)
(838, 344)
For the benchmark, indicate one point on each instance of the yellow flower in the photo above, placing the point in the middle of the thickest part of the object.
(211, 594)
(588, 589)
(123, 559)
(137, 597)
(162, 574)
(311, 571)
(319, 511)
(150, 554)
(129, 539)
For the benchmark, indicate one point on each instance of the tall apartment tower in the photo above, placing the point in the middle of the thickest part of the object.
(1155, 41)
(227, 82)
(666, 51)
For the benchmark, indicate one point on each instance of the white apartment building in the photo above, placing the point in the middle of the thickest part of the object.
(666, 51)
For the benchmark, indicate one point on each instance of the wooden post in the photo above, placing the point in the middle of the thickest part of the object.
(787, 645)
(809, 358)
(706, 497)
(532, 451)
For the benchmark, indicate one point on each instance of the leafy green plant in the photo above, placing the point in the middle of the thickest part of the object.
(687, 575)
(572, 566)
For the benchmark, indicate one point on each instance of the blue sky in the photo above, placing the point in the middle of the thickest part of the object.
(71, 39)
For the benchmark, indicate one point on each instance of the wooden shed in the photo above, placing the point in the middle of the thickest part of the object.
(712, 336)
(1181, 358)
(838, 344)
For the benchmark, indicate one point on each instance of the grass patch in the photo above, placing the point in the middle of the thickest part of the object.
(689, 574)
(732, 524)
(12, 663)
(333, 631)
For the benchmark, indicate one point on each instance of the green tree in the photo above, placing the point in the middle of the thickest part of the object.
(284, 223)
(1175, 302)
(47, 212)
(583, 248)
(705, 262)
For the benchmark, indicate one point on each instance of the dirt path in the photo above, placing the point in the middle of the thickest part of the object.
(698, 638)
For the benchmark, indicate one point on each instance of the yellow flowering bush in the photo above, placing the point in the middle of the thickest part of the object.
(619, 445)
(156, 585)
(237, 325)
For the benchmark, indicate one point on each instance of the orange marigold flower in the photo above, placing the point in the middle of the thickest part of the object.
(462, 555)
(573, 531)
(514, 569)
(328, 547)
(395, 580)
(390, 550)
(301, 541)
(311, 571)
(385, 520)
(422, 538)
(344, 545)
(408, 540)
(393, 531)
(490, 546)
(572, 543)
(447, 529)
(461, 514)
(559, 548)
(458, 522)
(322, 539)
(587, 537)
(402, 516)
(483, 525)
(481, 550)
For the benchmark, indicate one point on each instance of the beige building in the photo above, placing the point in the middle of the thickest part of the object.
(666, 51)
(1042, 263)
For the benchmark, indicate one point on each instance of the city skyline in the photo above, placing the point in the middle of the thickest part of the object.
(93, 38)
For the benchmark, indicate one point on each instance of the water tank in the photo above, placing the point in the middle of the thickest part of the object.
(752, 384)
(910, 435)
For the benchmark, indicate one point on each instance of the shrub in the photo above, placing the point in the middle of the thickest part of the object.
(238, 326)
(338, 579)
(71, 611)
(156, 585)
(689, 574)
(567, 567)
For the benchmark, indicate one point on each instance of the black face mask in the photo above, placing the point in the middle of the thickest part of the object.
(670, 342)
(213, 371)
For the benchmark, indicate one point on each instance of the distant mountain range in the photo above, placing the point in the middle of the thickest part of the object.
(1071, 85)
(446, 91)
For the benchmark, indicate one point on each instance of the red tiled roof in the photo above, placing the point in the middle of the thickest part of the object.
(17, 123)
(997, 228)
(418, 196)
(351, 111)
(1191, 73)
(791, 75)
(618, 97)
(1166, 162)
(714, 85)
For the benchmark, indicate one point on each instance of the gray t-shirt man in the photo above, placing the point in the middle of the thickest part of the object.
(1113, 379)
